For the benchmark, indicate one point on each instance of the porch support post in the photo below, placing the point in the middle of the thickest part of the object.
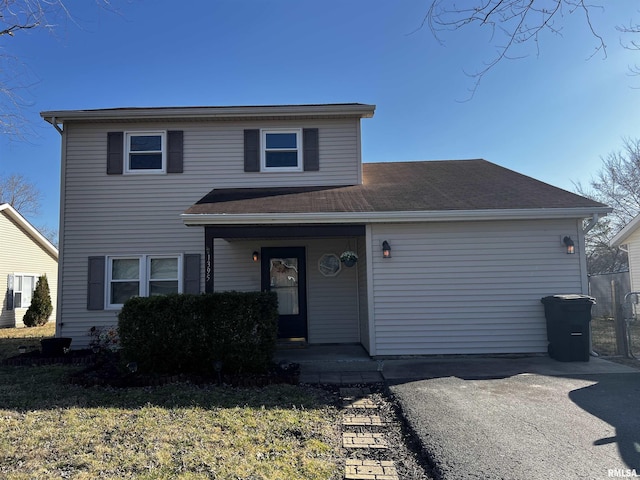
(208, 259)
(370, 303)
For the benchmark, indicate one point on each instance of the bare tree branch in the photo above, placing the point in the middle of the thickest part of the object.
(616, 184)
(21, 194)
(19, 16)
(512, 23)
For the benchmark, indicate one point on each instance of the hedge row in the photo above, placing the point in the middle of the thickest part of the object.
(190, 333)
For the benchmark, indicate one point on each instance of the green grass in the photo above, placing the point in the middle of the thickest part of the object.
(54, 430)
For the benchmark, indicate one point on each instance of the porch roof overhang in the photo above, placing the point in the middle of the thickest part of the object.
(398, 192)
(388, 217)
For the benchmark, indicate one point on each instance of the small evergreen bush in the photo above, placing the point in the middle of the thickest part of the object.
(184, 333)
(41, 308)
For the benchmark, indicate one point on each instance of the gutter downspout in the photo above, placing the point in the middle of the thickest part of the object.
(55, 125)
(592, 223)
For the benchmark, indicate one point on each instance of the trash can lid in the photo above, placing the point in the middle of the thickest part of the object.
(570, 297)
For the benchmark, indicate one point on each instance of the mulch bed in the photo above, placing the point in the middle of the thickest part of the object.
(35, 358)
(103, 371)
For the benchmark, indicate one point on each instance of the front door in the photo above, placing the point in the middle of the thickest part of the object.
(284, 272)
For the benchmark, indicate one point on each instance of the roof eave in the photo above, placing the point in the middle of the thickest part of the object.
(30, 229)
(212, 113)
(623, 235)
(391, 217)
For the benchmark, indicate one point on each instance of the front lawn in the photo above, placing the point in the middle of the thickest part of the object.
(54, 430)
(12, 338)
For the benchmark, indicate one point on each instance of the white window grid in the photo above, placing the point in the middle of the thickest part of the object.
(263, 149)
(127, 152)
(144, 274)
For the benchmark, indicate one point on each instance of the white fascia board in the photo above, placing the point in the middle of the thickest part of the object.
(35, 234)
(390, 217)
(268, 111)
(621, 237)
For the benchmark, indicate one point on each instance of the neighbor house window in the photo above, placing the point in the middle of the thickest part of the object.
(145, 152)
(282, 150)
(142, 276)
(23, 287)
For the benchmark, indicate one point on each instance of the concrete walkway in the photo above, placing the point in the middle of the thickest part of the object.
(346, 364)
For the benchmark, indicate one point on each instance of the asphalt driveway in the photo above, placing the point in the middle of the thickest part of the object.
(522, 418)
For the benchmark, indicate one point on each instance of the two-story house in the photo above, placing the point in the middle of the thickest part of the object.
(453, 256)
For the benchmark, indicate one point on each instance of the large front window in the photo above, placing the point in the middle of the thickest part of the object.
(143, 276)
(282, 150)
(145, 152)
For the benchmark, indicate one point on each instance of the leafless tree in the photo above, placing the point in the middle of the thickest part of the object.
(16, 18)
(21, 194)
(616, 184)
(514, 23)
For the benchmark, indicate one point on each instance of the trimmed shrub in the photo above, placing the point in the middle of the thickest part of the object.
(41, 308)
(188, 333)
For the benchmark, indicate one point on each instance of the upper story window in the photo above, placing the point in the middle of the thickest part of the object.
(282, 150)
(145, 152)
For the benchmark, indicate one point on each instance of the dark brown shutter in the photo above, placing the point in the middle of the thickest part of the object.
(115, 153)
(191, 275)
(252, 150)
(174, 151)
(311, 156)
(95, 289)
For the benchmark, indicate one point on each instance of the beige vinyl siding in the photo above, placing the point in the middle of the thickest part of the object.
(633, 246)
(473, 287)
(140, 214)
(20, 253)
(332, 302)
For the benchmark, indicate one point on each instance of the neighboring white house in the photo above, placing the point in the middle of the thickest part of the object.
(629, 236)
(453, 256)
(25, 255)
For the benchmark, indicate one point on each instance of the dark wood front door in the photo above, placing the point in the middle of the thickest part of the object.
(284, 272)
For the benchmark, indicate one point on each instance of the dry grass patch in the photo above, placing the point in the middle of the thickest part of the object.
(603, 334)
(12, 338)
(54, 430)
(51, 429)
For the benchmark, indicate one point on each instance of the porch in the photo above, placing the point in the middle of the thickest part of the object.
(321, 299)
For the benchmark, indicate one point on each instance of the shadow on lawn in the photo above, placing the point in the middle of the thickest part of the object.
(25, 388)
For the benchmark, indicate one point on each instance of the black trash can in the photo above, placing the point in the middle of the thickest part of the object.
(568, 318)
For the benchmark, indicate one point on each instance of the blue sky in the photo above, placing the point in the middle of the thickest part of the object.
(551, 115)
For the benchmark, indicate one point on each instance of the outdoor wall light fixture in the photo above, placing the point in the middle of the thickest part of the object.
(386, 250)
(571, 248)
(256, 256)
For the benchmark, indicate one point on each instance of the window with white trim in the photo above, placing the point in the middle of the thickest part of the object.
(23, 287)
(281, 150)
(145, 152)
(143, 276)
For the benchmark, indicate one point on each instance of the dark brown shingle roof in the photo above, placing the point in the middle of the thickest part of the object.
(402, 186)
